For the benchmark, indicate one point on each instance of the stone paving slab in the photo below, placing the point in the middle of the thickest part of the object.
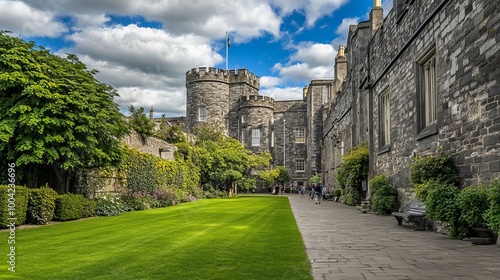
(343, 243)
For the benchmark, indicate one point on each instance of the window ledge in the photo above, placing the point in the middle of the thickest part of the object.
(429, 130)
(384, 149)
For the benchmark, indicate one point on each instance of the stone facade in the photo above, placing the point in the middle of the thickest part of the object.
(459, 42)
(424, 79)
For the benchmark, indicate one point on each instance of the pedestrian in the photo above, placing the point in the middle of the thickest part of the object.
(301, 190)
(317, 190)
(323, 192)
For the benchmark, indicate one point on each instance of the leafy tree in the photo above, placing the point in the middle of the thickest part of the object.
(223, 161)
(284, 175)
(55, 116)
(270, 176)
(140, 122)
(315, 179)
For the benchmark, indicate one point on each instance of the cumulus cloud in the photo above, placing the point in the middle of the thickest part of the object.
(288, 93)
(22, 19)
(310, 60)
(342, 31)
(147, 65)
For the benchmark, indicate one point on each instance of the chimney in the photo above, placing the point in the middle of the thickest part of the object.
(376, 16)
(340, 64)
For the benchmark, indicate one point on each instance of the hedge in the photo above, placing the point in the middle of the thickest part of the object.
(20, 204)
(41, 205)
(69, 207)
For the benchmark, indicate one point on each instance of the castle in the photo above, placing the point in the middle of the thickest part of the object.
(425, 78)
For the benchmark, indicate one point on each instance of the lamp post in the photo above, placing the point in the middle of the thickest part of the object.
(284, 142)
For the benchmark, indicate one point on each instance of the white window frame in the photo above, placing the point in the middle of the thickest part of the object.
(300, 165)
(255, 137)
(300, 135)
(202, 113)
(385, 118)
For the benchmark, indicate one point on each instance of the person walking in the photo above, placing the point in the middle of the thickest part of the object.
(318, 196)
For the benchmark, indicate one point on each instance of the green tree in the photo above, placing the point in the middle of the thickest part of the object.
(140, 122)
(284, 175)
(223, 161)
(55, 116)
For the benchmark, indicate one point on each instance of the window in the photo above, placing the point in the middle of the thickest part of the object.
(385, 119)
(242, 119)
(300, 165)
(202, 113)
(255, 137)
(300, 135)
(243, 138)
(402, 7)
(426, 94)
(272, 138)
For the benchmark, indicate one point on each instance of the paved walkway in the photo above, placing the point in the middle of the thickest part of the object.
(344, 244)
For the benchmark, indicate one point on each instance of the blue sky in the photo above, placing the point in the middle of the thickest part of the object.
(144, 48)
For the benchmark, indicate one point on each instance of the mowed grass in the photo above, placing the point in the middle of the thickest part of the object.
(249, 237)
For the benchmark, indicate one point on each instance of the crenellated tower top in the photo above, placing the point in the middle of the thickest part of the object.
(226, 76)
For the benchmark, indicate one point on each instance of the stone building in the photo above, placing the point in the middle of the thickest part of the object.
(421, 80)
(260, 123)
(425, 79)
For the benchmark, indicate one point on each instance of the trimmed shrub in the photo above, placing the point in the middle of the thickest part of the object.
(378, 182)
(436, 167)
(492, 215)
(69, 207)
(41, 205)
(89, 207)
(473, 203)
(441, 204)
(337, 192)
(384, 195)
(20, 202)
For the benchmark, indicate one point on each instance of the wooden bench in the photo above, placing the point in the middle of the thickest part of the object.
(414, 214)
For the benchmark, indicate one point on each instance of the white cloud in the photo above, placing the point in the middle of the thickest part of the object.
(269, 81)
(312, 9)
(288, 93)
(21, 19)
(308, 62)
(342, 31)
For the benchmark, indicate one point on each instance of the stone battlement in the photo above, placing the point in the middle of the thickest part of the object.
(226, 76)
(256, 100)
(201, 74)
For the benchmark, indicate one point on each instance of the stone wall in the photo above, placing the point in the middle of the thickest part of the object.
(150, 145)
(465, 37)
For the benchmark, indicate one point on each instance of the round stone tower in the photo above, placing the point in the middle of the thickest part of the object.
(256, 116)
(207, 96)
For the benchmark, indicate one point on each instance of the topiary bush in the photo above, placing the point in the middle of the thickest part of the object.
(18, 199)
(492, 215)
(384, 195)
(69, 207)
(473, 204)
(41, 205)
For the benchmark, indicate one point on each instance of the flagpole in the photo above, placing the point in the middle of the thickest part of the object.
(227, 48)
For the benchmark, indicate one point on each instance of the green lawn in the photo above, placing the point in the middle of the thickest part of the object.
(249, 237)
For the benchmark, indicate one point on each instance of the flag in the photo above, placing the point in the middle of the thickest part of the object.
(228, 41)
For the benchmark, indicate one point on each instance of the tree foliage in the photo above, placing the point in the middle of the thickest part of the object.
(140, 122)
(54, 114)
(223, 161)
